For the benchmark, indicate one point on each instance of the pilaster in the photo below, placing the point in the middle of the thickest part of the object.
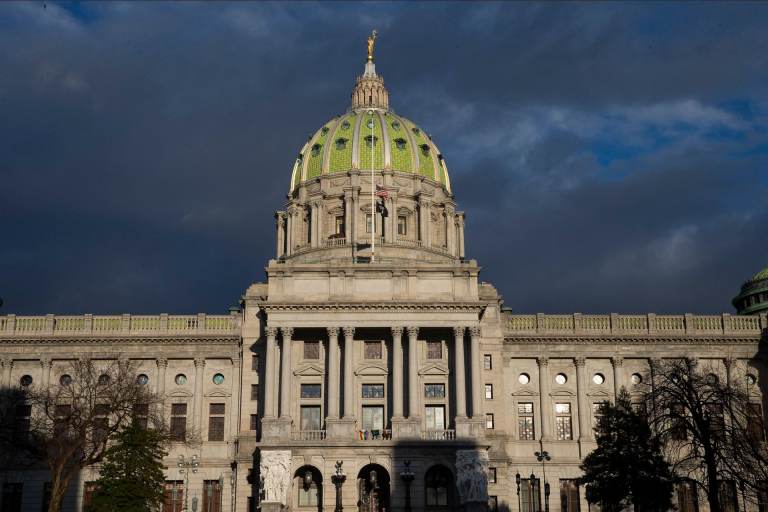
(286, 384)
(544, 405)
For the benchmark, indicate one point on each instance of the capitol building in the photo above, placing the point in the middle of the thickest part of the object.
(373, 364)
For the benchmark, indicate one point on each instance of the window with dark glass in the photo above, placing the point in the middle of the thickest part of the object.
(373, 390)
(716, 419)
(762, 496)
(311, 350)
(368, 223)
(437, 488)
(597, 410)
(569, 495)
(89, 488)
(491, 475)
(370, 140)
(254, 391)
(178, 422)
(678, 429)
(687, 497)
(530, 495)
(311, 391)
(100, 422)
(11, 499)
(254, 422)
(211, 496)
(563, 421)
(373, 350)
(141, 414)
(728, 496)
(23, 419)
(402, 225)
(339, 225)
(434, 390)
(487, 362)
(61, 419)
(525, 428)
(173, 496)
(755, 424)
(216, 422)
(400, 143)
(434, 350)
(493, 503)
(255, 362)
(310, 417)
(341, 143)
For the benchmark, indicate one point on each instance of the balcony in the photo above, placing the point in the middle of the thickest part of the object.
(308, 435)
(438, 435)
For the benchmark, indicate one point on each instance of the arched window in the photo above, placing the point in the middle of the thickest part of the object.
(309, 483)
(438, 483)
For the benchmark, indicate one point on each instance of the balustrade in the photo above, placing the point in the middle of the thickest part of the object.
(308, 435)
(52, 325)
(438, 435)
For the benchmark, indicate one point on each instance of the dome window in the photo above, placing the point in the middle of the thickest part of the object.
(400, 143)
(345, 125)
(415, 131)
(370, 140)
(395, 125)
(424, 149)
(341, 143)
(316, 149)
(370, 124)
(324, 130)
(300, 158)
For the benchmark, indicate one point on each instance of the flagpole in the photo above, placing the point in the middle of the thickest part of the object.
(373, 196)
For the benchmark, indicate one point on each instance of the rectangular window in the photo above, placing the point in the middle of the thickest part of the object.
(525, 428)
(310, 417)
(435, 417)
(311, 391)
(434, 350)
(373, 418)
(211, 496)
(61, 420)
(178, 422)
(687, 497)
(100, 423)
(717, 420)
(563, 421)
(368, 222)
(530, 495)
(173, 496)
(489, 420)
(489, 391)
(254, 391)
(141, 414)
(597, 410)
(339, 225)
(88, 489)
(254, 422)
(487, 362)
(46, 498)
(678, 429)
(255, 363)
(491, 475)
(569, 495)
(23, 419)
(402, 225)
(493, 503)
(755, 425)
(728, 496)
(311, 350)
(373, 390)
(373, 350)
(12, 497)
(434, 390)
(216, 422)
(762, 497)
(309, 496)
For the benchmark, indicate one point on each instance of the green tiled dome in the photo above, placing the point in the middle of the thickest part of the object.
(763, 274)
(351, 140)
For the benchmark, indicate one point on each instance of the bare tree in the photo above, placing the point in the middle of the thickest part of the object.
(69, 423)
(712, 430)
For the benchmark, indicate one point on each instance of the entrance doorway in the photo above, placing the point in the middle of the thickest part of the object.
(373, 489)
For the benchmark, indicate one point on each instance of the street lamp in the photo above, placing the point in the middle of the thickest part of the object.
(185, 466)
(544, 457)
(407, 476)
(519, 503)
(338, 479)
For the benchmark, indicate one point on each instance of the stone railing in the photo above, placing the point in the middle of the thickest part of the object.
(438, 435)
(308, 435)
(118, 325)
(334, 242)
(634, 324)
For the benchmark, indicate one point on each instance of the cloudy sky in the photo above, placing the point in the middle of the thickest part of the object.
(611, 157)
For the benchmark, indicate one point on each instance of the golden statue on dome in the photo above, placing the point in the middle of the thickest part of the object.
(371, 43)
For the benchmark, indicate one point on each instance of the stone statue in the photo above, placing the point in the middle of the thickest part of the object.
(472, 475)
(371, 43)
(275, 468)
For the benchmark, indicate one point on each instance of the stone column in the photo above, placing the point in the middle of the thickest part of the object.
(413, 373)
(388, 232)
(320, 217)
(289, 232)
(197, 409)
(424, 222)
(7, 367)
(581, 392)
(353, 217)
(348, 215)
(280, 223)
(397, 372)
(314, 228)
(270, 393)
(46, 364)
(461, 236)
(333, 373)
(618, 375)
(349, 393)
(234, 424)
(544, 405)
(450, 231)
(286, 384)
(460, 377)
(162, 366)
(477, 385)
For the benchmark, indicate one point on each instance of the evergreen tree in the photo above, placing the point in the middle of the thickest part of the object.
(131, 478)
(627, 467)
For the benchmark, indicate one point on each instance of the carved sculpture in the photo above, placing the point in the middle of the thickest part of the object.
(471, 475)
(275, 475)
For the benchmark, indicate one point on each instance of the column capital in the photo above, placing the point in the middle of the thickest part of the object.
(161, 362)
(654, 362)
(542, 361)
(199, 362)
(475, 331)
(397, 331)
(333, 332)
(458, 330)
(413, 331)
(287, 333)
(580, 362)
(349, 332)
(617, 361)
(6, 362)
(270, 331)
(691, 361)
(46, 362)
(729, 362)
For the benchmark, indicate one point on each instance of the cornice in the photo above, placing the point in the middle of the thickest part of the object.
(376, 306)
(630, 339)
(134, 340)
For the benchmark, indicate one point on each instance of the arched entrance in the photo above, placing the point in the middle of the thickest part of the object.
(439, 489)
(373, 489)
(308, 489)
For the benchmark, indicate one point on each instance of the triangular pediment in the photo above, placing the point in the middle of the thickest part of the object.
(525, 392)
(600, 393)
(562, 392)
(434, 369)
(218, 393)
(180, 393)
(309, 370)
(372, 369)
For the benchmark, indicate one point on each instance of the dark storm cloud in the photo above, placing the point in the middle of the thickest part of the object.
(610, 157)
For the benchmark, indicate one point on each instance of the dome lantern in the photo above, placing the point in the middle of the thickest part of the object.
(369, 90)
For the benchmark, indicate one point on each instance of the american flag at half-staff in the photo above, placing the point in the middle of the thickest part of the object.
(382, 192)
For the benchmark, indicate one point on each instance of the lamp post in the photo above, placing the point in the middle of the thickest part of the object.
(407, 476)
(185, 466)
(544, 457)
(519, 503)
(338, 479)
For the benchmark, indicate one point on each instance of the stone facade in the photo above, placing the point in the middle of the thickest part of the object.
(386, 354)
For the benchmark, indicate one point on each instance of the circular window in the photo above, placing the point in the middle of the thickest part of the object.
(180, 379)
(104, 379)
(712, 379)
(751, 379)
(561, 379)
(25, 380)
(598, 378)
(637, 378)
(142, 379)
(524, 379)
(218, 379)
(370, 124)
(65, 380)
